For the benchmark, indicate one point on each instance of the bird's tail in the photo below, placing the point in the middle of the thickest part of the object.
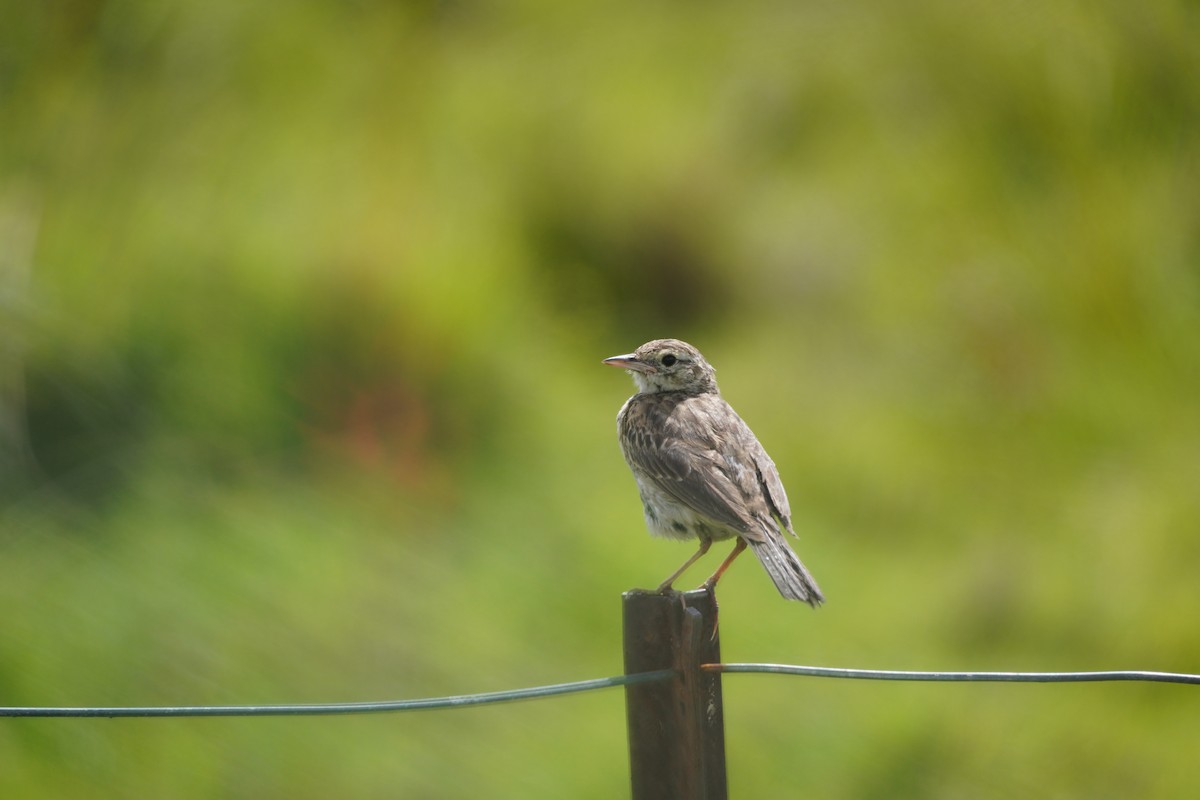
(790, 576)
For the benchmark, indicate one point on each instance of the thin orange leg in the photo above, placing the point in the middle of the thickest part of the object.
(711, 583)
(665, 586)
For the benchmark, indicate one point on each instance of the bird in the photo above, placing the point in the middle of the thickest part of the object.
(701, 472)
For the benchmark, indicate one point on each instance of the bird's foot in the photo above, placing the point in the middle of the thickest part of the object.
(710, 586)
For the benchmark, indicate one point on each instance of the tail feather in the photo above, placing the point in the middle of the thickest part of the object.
(791, 578)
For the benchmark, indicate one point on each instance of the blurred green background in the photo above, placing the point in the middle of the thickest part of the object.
(301, 314)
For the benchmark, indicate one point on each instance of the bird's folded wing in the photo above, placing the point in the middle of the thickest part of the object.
(693, 474)
(772, 487)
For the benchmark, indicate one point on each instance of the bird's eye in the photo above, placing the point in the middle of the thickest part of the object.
(669, 360)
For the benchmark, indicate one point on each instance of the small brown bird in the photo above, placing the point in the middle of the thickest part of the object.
(699, 468)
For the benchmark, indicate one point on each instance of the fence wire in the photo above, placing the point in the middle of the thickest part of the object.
(490, 698)
(314, 709)
(910, 675)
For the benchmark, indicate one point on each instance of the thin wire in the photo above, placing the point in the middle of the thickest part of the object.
(458, 701)
(488, 698)
(905, 675)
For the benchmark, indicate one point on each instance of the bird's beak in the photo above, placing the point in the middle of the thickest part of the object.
(631, 362)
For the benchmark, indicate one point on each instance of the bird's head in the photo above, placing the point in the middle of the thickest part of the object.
(667, 365)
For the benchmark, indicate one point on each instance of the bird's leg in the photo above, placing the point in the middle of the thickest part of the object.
(711, 583)
(665, 586)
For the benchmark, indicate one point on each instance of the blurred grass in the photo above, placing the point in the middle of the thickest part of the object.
(300, 319)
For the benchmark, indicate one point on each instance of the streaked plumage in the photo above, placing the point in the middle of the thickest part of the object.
(699, 468)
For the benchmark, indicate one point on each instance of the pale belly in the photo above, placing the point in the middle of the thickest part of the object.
(666, 517)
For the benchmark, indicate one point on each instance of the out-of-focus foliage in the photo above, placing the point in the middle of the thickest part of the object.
(301, 314)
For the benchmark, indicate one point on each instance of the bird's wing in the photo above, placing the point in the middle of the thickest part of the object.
(704, 456)
(764, 489)
(772, 487)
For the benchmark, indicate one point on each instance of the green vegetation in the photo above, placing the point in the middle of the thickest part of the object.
(301, 315)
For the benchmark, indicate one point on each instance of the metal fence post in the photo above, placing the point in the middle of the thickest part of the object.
(676, 727)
